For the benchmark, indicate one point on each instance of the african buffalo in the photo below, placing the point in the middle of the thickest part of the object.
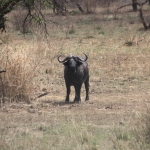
(76, 73)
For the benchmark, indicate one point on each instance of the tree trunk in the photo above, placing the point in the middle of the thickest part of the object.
(143, 20)
(134, 5)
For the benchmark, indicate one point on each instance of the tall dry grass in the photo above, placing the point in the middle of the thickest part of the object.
(23, 63)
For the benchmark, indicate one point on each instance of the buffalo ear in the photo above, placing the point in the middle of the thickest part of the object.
(65, 64)
(79, 63)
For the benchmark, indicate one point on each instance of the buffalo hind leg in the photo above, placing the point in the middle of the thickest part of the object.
(77, 94)
(86, 83)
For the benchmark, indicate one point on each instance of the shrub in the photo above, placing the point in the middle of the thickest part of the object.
(21, 68)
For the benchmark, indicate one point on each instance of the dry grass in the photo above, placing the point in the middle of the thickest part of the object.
(114, 118)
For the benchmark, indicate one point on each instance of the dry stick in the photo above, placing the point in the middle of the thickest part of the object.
(3, 92)
(1, 71)
(46, 93)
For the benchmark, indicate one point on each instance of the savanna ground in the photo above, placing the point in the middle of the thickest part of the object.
(117, 114)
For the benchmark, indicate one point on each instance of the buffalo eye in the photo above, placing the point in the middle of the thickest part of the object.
(65, 64)
(79, 63)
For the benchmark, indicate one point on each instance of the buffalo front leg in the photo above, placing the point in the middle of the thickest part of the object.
(86, 83)
(77, 93)
(68, 93)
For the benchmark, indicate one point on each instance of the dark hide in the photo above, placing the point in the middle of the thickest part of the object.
(76, 73)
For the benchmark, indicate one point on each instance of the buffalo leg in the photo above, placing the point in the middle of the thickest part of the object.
(77, 93)
(68, 93)
(86, 83)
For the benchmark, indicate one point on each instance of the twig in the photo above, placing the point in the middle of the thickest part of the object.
(46, 93)
(2, 84)
(1, 71)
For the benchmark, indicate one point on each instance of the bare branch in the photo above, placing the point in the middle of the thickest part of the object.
(144, 2)
(141, 13)
(124, 6)
(139, 4)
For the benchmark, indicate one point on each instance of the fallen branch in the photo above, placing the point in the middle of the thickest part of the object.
(46, 93)
(1, 71)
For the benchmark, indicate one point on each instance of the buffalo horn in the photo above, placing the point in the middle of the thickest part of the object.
(61, 61)
(83, 60)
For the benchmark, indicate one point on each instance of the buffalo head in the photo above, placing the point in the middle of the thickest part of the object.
(72, 61)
